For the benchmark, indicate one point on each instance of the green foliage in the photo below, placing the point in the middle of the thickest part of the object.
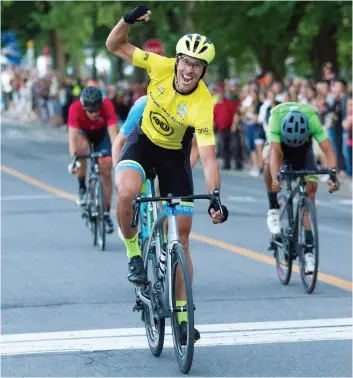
(264, 32)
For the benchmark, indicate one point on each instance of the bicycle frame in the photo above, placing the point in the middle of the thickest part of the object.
(173, 237)
(300, 189)
(169, 214)
(146, 209)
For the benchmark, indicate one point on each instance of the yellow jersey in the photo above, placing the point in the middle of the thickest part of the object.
(168, 114)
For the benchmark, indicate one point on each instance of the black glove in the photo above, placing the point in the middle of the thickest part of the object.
(134, 14)
(214, 205)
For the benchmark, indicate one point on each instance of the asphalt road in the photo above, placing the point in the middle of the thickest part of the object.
(60, 294)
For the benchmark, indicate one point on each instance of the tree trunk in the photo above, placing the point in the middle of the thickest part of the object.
(324, 49)
(58, 53)
(223, 71)
(272, 60)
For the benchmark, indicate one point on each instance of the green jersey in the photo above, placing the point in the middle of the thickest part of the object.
(316, 130)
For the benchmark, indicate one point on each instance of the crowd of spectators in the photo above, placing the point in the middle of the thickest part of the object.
(241, 112)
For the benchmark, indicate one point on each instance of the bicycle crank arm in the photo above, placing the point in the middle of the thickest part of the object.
(142, 297)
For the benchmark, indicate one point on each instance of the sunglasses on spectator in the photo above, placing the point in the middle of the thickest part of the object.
(196, 66)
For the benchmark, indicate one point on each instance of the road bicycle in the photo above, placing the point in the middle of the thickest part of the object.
(291, 243)
(92, 211)
(163, 257)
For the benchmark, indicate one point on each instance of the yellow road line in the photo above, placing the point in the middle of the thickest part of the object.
(327, 278)
(37, 183)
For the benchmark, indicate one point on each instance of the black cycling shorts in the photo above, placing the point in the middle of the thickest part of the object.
(172, 166)
(99, 139)
(300, 157)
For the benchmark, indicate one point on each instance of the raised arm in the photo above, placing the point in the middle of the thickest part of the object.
(117, 41)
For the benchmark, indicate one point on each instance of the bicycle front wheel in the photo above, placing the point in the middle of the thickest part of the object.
(99, 199)
(91, 221)
(155, 327)
(284, 261)
(183, 346)
(306, 208)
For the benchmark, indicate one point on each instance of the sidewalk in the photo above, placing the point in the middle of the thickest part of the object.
(33, 129)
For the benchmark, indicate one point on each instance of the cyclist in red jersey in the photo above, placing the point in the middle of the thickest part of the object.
(93, 120)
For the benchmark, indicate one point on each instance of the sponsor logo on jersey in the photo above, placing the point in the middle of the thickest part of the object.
(203, 130)
(146, 56)
(160, 124)
(161, 89)
(181, 110)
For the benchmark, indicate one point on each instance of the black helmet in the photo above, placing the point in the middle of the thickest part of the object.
(294, 129)
(91, 98)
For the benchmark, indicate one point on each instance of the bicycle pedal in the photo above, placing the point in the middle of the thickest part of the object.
(138, 307)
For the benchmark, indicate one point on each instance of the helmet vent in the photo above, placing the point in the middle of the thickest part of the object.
(203, 49)
(296, 127)
(187, 44)
(196, 45)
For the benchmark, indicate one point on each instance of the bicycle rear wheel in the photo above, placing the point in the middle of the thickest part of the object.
(308, 280)
(99, 202)
(155, 328)
(184, 353)
(282, 243)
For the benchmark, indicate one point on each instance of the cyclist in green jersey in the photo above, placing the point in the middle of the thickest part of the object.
(289, 135)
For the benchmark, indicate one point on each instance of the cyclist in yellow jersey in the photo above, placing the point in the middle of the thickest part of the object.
(178, 105)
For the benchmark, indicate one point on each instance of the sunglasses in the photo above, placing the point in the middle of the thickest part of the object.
(196, 66)
(91, 111)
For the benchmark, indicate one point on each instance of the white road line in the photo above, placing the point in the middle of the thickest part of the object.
(30, 197)
(211, 335)
(242, 199)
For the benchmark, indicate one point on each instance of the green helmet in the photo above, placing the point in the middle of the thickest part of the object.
(196, 46)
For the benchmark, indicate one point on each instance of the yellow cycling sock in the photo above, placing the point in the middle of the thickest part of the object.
(182, 316)
(144, 187)
(132, 247)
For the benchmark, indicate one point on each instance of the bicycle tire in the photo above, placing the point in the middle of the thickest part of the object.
(284, 258)
(99, 199)
(184, 359)
(155, 343)
(308, 280)
(91, 219)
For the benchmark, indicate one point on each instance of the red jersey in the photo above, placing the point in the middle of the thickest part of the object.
(224, 112)
(78, 118)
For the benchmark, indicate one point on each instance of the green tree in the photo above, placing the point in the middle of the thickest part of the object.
(324, 34)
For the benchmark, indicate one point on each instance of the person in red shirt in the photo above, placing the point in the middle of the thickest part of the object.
(224, 113)
(93, 120)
